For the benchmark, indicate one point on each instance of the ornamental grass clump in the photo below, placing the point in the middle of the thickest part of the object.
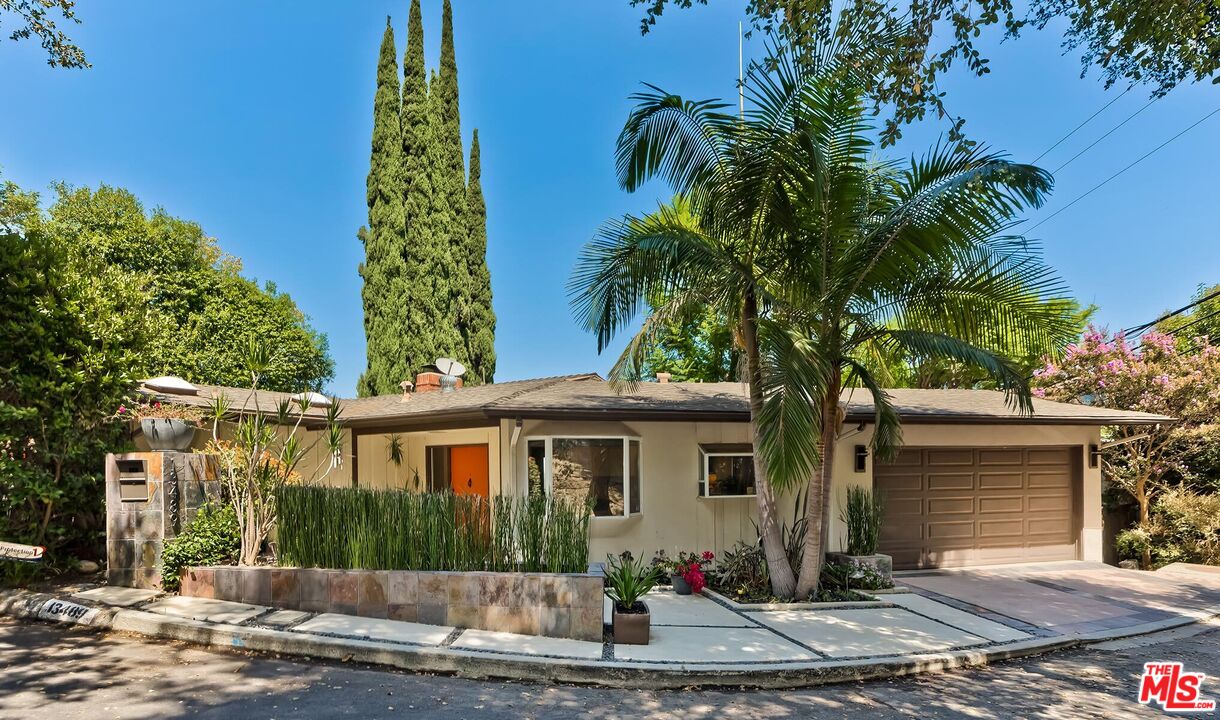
(358, 528)
(862, 514)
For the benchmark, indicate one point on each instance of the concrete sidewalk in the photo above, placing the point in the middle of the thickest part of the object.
(697, 640)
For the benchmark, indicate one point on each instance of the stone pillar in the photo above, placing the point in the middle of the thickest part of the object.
(150, 498)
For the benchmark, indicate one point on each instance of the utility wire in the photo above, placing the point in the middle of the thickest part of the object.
(1073, 131)
(1103, 137)
(1196, 321)
(1143, 157)
(1172, 313)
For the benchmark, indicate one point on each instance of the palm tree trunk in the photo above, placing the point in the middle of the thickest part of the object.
(783, 581)
(817, 508)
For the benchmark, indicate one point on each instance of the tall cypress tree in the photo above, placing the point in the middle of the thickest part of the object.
(448, 169)
(384, 236)
(418, 348)
(479, 323)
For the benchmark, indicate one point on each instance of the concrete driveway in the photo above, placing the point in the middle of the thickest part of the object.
(1073, 598)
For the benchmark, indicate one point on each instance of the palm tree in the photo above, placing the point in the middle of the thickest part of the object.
(784, 222)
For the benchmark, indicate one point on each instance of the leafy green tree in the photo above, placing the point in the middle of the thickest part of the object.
(478, 319)
(74, 330)
(385, 237)
(1203, 320)
(695, 347)
(35, 19)
(814, 248)
(202, 307)
(1158, 377)
(1160, 44)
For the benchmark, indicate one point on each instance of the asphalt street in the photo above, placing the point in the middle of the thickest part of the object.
(63, 673)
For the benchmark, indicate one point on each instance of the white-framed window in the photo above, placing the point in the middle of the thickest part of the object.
(726, 471)
(604, 470)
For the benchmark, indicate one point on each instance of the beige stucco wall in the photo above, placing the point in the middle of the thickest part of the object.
(674, 517)
(376, 470)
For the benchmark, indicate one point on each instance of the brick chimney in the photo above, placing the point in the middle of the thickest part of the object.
(663, 378)
(428, 381)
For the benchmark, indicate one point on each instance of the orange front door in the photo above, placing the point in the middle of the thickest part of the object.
(468, 469)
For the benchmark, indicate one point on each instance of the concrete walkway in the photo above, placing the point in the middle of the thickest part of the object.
(686, 630)
(695, 639)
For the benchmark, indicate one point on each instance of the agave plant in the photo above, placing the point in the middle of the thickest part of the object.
(785, 221)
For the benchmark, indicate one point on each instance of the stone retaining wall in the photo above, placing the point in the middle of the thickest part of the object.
(566, 606)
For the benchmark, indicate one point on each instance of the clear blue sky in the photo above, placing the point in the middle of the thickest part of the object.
(254, 119)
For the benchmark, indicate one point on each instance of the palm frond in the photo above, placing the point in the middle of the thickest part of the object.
(1008, 377)
(795, 379)
(887, 426)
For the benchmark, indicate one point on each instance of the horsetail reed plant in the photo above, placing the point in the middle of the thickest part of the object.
(357, 528)
(862, 514)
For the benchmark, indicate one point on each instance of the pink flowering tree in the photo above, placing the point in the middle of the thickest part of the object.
(1160, 376)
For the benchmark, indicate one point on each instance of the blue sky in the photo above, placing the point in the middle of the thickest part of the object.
(254, 119)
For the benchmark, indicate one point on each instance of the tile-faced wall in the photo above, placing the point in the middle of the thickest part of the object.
(161, 499)
(566, 606)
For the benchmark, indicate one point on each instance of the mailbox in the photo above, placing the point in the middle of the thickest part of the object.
(133, 481)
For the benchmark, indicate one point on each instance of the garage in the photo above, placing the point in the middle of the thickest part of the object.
(956, 507)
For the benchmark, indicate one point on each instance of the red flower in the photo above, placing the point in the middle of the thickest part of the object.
(708, 556)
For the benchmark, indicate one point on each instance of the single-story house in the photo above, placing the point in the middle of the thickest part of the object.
(668, 466)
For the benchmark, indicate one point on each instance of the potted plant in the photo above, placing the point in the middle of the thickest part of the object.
(687, 572)
(166, 426)
(863, 514)
(628, 580)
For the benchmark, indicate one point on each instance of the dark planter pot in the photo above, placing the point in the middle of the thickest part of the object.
(631, 628)
(167, 433)
(680, 585)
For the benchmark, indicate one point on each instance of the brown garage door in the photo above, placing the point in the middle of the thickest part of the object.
(949, 507)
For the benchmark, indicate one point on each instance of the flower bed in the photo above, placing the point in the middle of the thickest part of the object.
(550, 604)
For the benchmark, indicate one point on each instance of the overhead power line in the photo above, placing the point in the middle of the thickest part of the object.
(1172, 313)
(1111, 131)
(1075, 129)
(1196, 321)
(1143, 157)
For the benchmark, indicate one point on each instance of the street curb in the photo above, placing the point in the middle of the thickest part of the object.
(481, 665)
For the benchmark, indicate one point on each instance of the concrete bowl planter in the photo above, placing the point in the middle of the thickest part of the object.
(680, 585)
(167, 433)
(632, 628)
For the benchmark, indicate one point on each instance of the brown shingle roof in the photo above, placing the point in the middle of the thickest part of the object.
(588, 397)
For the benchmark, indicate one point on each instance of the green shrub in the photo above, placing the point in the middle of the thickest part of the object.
(1132, 543)
(1185, 527)
(862, 514)
(212, 538)
(357, 528)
